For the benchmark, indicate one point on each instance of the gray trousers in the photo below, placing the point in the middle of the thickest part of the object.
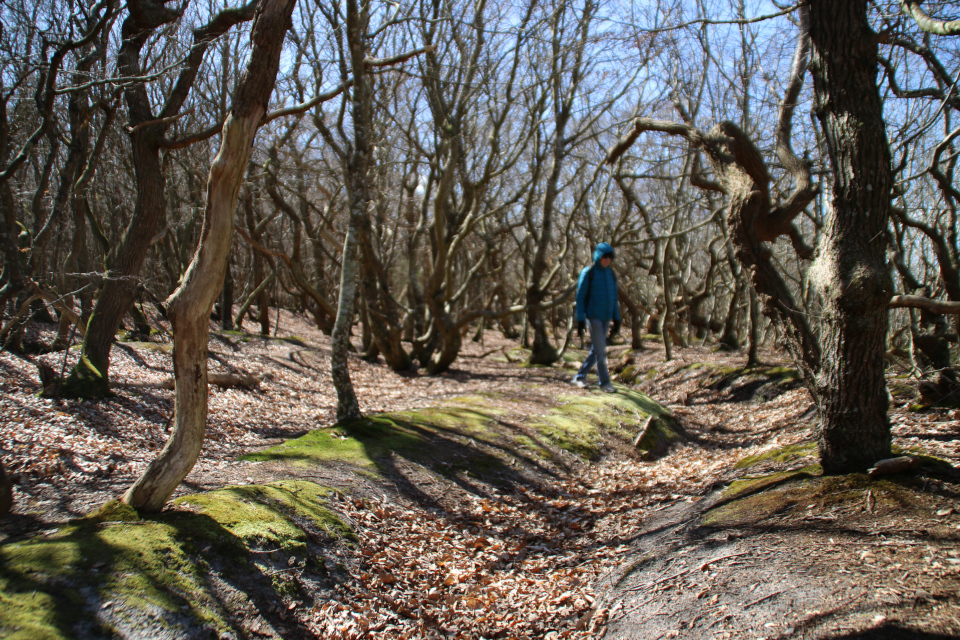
(598, 352)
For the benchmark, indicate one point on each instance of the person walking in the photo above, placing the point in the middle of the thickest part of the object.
(598, 304)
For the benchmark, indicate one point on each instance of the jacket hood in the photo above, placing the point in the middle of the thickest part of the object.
(603, 249)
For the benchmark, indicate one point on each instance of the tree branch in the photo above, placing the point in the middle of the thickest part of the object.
(925, 304)
(927, 23)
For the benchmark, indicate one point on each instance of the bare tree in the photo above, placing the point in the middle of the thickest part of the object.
(90, 376)
(844, 366)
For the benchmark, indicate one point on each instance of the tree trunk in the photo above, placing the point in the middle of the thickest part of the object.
(226, 301)
(929, 337)
(635, 314)
(11, 277)
(90, 376)
(451, 341)
(381, 320)
(753, 339)
(844, 366)
(347, 406)
(729, 341)
(542, 352)
(850, 271)
(190, 305)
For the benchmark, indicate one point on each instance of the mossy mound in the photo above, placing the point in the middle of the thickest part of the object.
(750, 485)
(784, 477)
(113, 574)
(450, 439)
(751, 501)
(278, 514)
(468, 435)
(580, 423)
(721, 377)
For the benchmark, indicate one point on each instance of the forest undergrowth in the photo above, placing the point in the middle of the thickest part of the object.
(527, 551)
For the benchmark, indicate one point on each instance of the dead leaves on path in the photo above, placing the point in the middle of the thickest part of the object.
(515, 565)
(495, 570)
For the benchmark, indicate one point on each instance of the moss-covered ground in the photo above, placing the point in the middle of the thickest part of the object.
(472, 434)
(796, 483)
(582, 424)
(115, 573)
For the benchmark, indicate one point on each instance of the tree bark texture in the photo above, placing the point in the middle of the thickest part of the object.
(850, 271)
(382, 317)
(347, 406)
(542, 352)
(357, 166)
(189, 307)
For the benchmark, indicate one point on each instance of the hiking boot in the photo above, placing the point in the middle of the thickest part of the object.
(609, 388)
(580, 383)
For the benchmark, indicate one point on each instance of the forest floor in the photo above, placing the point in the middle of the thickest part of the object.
(589, 540)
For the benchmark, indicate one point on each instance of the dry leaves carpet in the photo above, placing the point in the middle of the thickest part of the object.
(478, 561)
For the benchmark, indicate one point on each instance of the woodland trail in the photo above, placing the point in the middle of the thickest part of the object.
(470, 524)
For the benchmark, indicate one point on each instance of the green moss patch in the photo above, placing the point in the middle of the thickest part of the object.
(445, 438)
(573, 356)
(90, 579)
(468, 434)
(661, 434)
(721, 377)
(779, 455)
(113, 573)
(759, 499)
(357, 443)
(629, 374)
(747, 486)
(579, 423)
(274, 514)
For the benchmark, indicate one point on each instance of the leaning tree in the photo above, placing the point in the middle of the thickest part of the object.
(190, 305)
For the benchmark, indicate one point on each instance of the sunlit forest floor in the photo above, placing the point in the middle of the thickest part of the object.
(606, 542)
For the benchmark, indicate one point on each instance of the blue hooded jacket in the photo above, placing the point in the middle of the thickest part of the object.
(604, 300)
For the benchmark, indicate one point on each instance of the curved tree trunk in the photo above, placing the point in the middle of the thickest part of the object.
(190, 305)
